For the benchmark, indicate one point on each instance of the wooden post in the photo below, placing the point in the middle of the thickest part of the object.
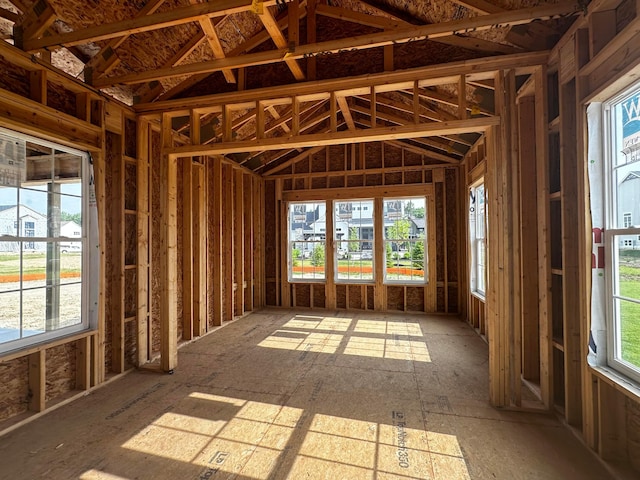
(116, 276)
(37, 383)
(544, 248)
(199, 250)
(528, 238)
(331, 263)
(168, 252)
(83, 363)
(143, 218)
(187, 248)
(248, 237)
(380, 295)
(238, 242)
(228, 224)
(215, 204)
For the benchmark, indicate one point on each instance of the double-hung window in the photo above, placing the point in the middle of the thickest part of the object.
(307, 234)
(477, 238)
(43, 194)
(622, 220)
(404, 239)
(353, 227)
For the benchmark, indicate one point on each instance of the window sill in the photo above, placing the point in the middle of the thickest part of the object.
(343, 281)
(479, 296)
(23, 352)
(623, 384)
(307, 280)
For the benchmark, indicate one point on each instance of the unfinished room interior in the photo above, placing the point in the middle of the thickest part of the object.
(319, 239)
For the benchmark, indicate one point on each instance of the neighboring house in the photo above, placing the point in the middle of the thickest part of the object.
(70, 229)
(24, 222)
(629, 196)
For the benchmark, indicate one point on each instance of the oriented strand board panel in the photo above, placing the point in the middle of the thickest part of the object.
(299, 394)
(14, 394)
(61, 370)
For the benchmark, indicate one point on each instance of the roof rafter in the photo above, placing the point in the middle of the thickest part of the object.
(403, 35)
(177, 16)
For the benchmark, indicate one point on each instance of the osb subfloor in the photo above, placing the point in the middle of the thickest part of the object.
(303, 395)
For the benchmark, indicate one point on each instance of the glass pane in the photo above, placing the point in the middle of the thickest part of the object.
(70, 305)
(406, 265)
(629, 332)
(70, 216)
(626, 151)
(70, 262)
(628, 267)
(67, 166)
(310, 263)
(34, 311)
(9, 266)
(39, 162)
(33, 213)
(8, 211)
(34, 264)
(9, 316)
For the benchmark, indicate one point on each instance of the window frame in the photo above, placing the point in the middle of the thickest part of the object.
(615, 230)
(423, 239)
(86, 323)
(336, 243)
(291, 243)
(476, 242)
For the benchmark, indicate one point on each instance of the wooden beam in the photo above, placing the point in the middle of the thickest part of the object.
(387, 23)
(115, 276)
(168, 253)
(362, 42)
(479, 6)
(227, 241)
(37, 20)
(337, 138)
(200, 224)
(106, 59)
(9, 15)
(248, 240)
(176, 16)
(271, 25)
(433, 75)
(297, 158)
(346, 112)
(214, 42)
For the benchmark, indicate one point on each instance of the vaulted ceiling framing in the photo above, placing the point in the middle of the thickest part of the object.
(173, 56)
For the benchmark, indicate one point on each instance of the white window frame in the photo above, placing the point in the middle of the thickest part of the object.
(85, 323)
(423, 239)
(338, 244)
(477, 241)
(292, 242)
(612, 238)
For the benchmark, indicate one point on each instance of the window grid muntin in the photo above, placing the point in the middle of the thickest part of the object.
(83, 323)
(615, 229)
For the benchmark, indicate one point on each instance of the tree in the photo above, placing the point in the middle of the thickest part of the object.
(417, 255)
(295, 255)
(73, 217)
(399, 231)
(353, 235)
(317, 255)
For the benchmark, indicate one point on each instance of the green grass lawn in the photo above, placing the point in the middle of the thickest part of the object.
(629, 311)
(34, 263)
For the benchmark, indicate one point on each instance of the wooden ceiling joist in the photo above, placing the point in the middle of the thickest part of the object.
(271, 25)
(403, 35)
(475, 125)
(177, 16)
(211, 35)
(249, 44)
(431, 75)
(386, 23)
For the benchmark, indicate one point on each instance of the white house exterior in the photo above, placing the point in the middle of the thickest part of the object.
(22, 222)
